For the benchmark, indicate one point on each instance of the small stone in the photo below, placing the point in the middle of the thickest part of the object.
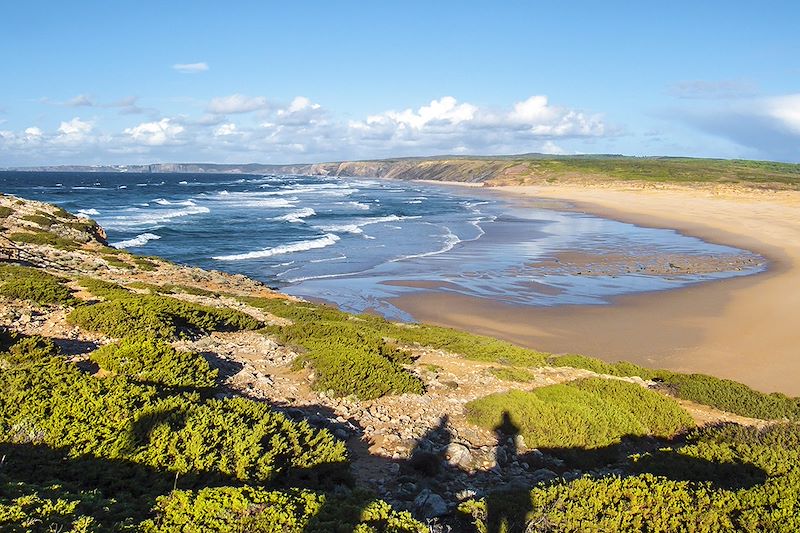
(430, 505)
(458, 455)
(543, 474)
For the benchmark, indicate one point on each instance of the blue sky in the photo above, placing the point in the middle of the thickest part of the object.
(136, 82)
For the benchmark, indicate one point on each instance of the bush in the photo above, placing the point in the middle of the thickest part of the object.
(160, 316)
(722, 394)
(733, 397)
(16, 348)
(155, 361)
(350, 361)
(229, 509)
(520, 375)
(6, 212)
(43, 238)
(583, 414)
(24, 283)
(646, 502)
(52, 403)
(40, 220)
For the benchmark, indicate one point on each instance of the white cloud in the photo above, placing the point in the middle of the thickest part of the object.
(74, 130)
(786, 110)
(303, 130)
(79, 101)
(190, 68)
(155, 133)
(32, 132)
(236, 103)
(767, 128)
(225, 129)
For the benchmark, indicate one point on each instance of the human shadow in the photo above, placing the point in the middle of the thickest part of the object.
(507, 518)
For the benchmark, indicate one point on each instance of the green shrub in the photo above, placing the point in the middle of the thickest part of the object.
(24, 283)
(160, 316)
(116, 262)
(63, 213)
(471, 346)
(688, 501)
(104, 289)
(520, 375)
(723, 394)
(43, 238)
(16, 348)
(52, 403)
(144, 264)
(360, 355)
(41, 220)
(733, 397)
(6, 212)
(155, 361)
(229, 509)
(583, 414)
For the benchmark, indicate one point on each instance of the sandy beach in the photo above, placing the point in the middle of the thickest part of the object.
(743, 328)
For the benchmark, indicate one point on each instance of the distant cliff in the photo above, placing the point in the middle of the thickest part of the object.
(515, 169)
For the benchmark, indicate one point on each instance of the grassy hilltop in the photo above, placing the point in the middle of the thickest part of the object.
(523, 169)
(538, 169)
(141, 395)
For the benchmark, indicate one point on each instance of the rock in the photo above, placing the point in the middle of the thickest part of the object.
(458, 455)
(429, 504)
(543, 474)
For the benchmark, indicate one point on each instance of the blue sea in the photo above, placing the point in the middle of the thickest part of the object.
(360, 242)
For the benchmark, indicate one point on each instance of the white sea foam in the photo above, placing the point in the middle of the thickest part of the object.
(297, 216)
(355, 227)
(450, 240)
(414, 202)
(139, 240)
(86, 213)
(183, 183)
(252, 199)
(151, 217)
(162, 201)
(327, 259)
(357, 205)
(326, 240)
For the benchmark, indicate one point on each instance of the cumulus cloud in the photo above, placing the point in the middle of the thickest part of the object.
(74, 131)
(225, 129)
(447, 125)
(155, 133)
(236, 103)
(190, 68)
(303, 130)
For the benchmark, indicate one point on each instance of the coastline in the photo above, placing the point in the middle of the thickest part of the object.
(740, 328)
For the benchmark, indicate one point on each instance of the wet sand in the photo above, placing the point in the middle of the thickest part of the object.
(747, 328)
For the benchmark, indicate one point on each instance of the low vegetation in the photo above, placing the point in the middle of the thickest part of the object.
(729, 478)
(24, 283)
(88, 454)
(362, 355)
(723, 394)
(6, 212)
(510, 373)
(124, 312)
(150, 360)
(587, 413)
(43, 238)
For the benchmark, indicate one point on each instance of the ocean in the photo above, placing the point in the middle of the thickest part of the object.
(360, 242)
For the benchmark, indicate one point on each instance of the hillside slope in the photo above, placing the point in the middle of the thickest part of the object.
(143, 395)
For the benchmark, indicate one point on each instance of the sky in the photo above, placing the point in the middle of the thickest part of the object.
(125, 82)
